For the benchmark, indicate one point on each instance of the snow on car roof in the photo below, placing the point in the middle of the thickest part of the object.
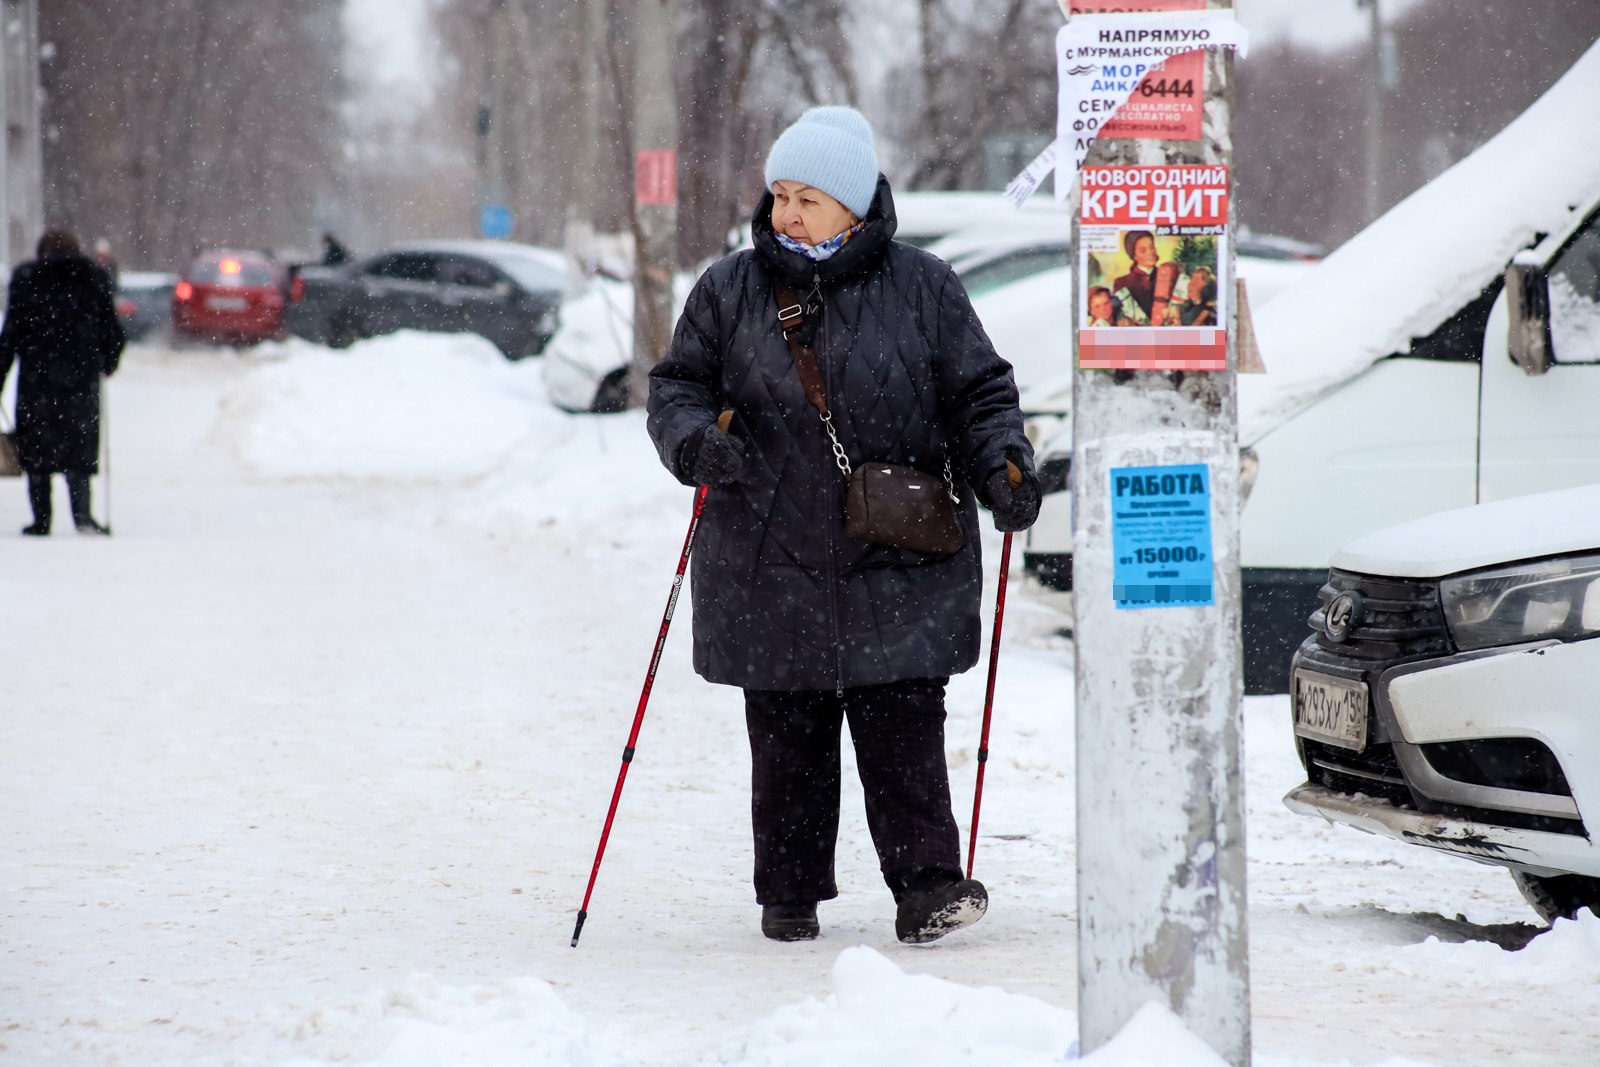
(1420, 263)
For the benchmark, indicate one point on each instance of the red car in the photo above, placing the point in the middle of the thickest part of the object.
(232, 298)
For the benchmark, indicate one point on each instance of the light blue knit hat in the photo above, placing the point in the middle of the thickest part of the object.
(832, 149)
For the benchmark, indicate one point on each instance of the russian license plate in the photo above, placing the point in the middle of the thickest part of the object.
(1330, 709)
(227, 303)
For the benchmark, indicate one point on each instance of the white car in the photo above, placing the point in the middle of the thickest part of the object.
(586, 362)
(1447, 695)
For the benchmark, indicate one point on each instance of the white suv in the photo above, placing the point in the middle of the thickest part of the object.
(1450, 695)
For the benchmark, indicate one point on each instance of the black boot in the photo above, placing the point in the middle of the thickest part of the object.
(39, 498)
(789, 922)
(78, 494)
(937, 902)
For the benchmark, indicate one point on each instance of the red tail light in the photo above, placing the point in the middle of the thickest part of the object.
(184, 291)
(297, 290)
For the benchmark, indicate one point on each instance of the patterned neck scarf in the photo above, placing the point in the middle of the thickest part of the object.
(824, 250)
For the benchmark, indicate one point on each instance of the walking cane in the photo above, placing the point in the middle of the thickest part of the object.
(105, 448)
(1014, 479)
(723, 422)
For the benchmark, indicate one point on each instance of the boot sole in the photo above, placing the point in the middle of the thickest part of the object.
(964, 910)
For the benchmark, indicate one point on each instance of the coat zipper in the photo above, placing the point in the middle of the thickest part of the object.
(832, 568)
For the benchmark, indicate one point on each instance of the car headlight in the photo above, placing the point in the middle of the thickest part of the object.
(1553, 599)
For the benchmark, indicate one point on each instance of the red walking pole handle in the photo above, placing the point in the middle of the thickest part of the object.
(723, 422)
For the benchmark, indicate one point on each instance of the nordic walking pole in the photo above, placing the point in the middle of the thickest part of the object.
(1014, 479)
(723, 422)
(105, 447)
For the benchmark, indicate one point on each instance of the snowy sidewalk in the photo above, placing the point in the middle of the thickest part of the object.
(308, 763)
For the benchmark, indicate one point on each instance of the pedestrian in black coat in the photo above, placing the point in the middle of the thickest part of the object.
(814, 626)
(62, 332)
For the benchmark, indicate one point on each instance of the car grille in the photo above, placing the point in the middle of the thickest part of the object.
(1400, 621)
(1397, 619)
(1374, 772)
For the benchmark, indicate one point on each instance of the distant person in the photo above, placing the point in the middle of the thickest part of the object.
(106, 261)
(334, 254)
(62, 331)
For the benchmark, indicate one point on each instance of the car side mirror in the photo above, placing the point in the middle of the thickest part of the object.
(1528, 300)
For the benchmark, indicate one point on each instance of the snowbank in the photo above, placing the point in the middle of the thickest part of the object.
(1421, 262)
(405, 407)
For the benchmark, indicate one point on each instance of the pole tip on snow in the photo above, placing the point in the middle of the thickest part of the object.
(578, 929)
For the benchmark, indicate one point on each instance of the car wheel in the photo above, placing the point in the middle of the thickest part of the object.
(1559, 897)
(343, 330)
(612, 396)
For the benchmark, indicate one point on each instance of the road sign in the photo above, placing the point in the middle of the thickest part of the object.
(496, 222)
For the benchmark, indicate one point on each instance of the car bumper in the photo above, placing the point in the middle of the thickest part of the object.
(1531, 851)
(571, 384)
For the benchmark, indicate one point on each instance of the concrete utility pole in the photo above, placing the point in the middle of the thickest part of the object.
(22, 175)
(655, 188)
(1161, 845)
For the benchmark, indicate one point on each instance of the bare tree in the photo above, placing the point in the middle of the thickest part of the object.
(173, 123)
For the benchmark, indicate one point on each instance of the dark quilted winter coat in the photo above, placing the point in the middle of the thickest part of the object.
(62, 332)
(783, 598)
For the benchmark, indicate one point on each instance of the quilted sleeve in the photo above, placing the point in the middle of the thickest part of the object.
(977, 392)
(686, 386)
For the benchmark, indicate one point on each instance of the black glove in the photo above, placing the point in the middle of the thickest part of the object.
(1014, 507)
(712, 457)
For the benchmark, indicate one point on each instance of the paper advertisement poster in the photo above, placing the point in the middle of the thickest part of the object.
(1161, 536)
(1152, 268)
(1166, 102)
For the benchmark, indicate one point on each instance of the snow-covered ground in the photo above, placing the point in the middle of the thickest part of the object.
(308, 763)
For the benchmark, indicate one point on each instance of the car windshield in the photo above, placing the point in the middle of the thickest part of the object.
(232, 271)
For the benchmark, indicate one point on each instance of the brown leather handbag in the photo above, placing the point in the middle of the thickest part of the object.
(885, 503)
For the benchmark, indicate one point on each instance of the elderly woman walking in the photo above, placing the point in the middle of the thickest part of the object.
(62, 331)
(817, 624)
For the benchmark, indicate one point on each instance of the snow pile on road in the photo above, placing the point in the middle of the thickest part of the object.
(406, 407)
(878, 1014)
(518, 1022)
(1568, 953)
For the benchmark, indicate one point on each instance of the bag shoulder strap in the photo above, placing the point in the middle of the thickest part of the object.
(791, 317)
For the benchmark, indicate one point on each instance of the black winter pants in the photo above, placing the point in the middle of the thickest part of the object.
(898, 731)
(39, 496)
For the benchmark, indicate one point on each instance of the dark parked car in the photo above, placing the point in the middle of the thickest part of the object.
(234, 297)
(144, 303)
(507, 293)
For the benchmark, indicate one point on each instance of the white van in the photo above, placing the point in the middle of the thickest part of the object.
(1392, 390)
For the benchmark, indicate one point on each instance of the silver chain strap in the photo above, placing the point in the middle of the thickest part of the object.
(950, 481)
(838, 450)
